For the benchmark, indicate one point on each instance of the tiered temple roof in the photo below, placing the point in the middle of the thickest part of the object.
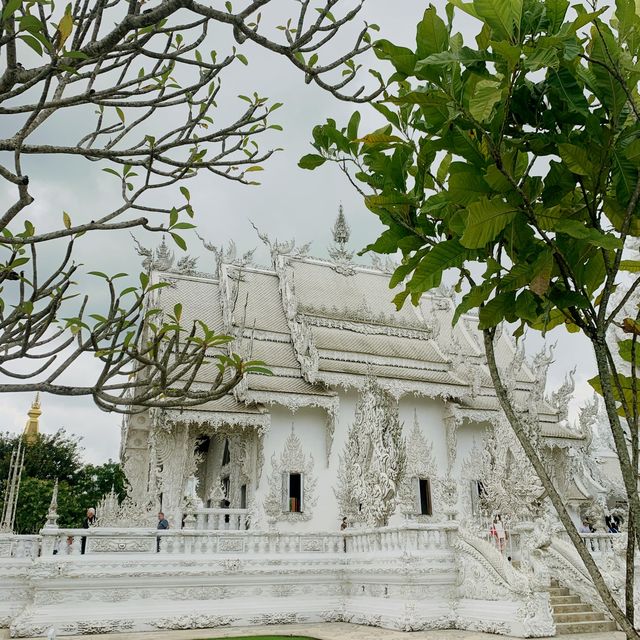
(322, 324)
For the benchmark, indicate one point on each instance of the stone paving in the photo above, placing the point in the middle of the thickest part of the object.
(328, 631)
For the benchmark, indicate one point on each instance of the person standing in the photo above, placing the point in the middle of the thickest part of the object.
(498, 530)
(89, 521)
(163, 525)
(343, 525)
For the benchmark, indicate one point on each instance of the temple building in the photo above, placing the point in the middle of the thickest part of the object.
(372, 478)
(372, 413)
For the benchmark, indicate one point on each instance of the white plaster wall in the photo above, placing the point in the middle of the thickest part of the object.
(310, 425)
(430, 414)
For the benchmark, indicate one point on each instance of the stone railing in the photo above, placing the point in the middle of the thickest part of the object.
(397, 539)
(69, 542)
(19, 546)
(217, 519)
(599, 544)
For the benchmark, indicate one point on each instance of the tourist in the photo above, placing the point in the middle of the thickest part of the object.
(613, 524)
(585, 528)
(163, 525)
(498, 532)
(89, 521)
(343, 525)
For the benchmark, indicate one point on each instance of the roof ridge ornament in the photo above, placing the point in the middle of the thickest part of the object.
(162, 259)
(339, 253)
(277, 248)
(229, 254)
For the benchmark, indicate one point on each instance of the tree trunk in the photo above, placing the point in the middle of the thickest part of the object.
(629, 477)
(535, 460)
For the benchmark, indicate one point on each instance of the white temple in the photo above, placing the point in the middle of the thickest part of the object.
(282, 446)
(386, 418)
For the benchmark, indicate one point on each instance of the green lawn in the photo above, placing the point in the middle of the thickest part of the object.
(266, 638)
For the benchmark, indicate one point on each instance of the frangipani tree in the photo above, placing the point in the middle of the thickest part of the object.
(514, 162)
(142, 84)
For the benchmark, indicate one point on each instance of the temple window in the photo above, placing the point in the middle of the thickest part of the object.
(226, 456)
(226, 485)
(478, 495)
(294, 492)
(243, 496)
(423, 490)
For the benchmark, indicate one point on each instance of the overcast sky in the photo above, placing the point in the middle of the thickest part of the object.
(289, 203)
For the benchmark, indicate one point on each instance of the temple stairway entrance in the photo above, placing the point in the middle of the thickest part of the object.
(572, 615)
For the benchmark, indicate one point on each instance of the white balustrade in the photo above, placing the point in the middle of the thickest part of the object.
(219, 519)
(19, 546)
(600, 543)
(414, 537)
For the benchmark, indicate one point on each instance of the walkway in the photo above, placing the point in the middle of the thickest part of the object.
(328, 631)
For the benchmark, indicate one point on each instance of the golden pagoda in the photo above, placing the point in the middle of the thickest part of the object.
(32, 428)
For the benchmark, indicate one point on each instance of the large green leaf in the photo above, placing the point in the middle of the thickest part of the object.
(432, 35)
(568, 91)
(466, 184)
(485, 96)
(555, 11)
(576, 158)
(579, 230)
(403, 59)
(501, 15)
(497, 309)
(428, 273)
(476, 296)
(311, 161)
(486, 219)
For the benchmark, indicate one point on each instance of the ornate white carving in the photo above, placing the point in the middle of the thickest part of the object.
(511, 487)
(420, 464)
(374, 459)
(292, 459)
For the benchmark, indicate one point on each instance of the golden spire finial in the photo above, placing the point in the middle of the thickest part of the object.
(32, 428)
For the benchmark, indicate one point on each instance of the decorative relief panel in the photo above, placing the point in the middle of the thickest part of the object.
(291, 460)
(421, 464)
(374, 459)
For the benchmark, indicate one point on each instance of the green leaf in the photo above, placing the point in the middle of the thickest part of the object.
(185, 192)
(11, 8)
(311, 161)
(497, 310)
(568, 91)
(432, 35)
(486, 219)
(501, 15)
(576, 158)
(179, 241)
(403, 59)
(555, 11)
(633, 266)
(32, 42)
(120, 113)
(352, 127)
(474, 298)
(443, 256)
(66, 220)
(527, 306)
(485, 96)
(579, 230)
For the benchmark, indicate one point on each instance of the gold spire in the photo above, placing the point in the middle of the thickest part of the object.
(32, 428)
